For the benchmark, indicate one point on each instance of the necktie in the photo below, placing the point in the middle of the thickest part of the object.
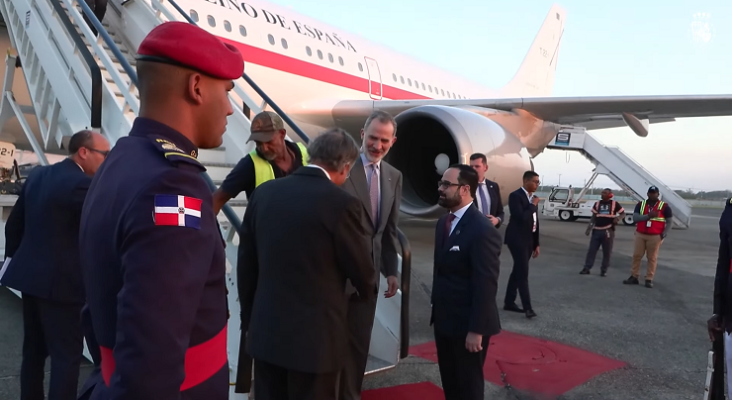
(374, 194)
(483, 202)
(448, 225)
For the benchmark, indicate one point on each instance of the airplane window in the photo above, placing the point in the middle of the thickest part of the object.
(430, 86)
(423, 88)
(211, 21)
(360, 67)
(394, 76)
(271, 39)
(416, 84)
(320, 54)
(242, 30)
(443, 91)
(410, 81)
(340, 60)
(284, 44)
(402, 79)
(330, 57)
(194, 15)
(227, 26)
(307, 50)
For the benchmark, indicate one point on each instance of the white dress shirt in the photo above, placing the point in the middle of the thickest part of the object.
(530, 196)
(458, 214)
(320, 168)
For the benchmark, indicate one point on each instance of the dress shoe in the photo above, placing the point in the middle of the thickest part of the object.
(530, 314)
(513, 307)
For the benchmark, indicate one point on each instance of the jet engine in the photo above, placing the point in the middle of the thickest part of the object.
(431, 137)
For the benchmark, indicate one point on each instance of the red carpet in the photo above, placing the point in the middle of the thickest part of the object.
(414, 391)
(537, 366)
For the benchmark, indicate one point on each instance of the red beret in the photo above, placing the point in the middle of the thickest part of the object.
(186, 45)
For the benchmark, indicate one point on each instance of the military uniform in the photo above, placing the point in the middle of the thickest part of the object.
(153, 257)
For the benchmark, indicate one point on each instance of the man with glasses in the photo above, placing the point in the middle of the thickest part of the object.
(273, 158)
(464, 286)
(522, 238)
(45, 266)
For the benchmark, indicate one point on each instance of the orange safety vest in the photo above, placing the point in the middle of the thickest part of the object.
(654, 226)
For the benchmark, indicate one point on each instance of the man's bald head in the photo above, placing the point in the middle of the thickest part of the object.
(89, 150)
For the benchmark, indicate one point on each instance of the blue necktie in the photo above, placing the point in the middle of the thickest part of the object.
(374, 195)
(483, 202)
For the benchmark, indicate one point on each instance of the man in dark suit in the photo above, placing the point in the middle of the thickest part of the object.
(522, 238)
(488, 194)
(293, 302)
(45, 266)
(464, 286)
(378, 186)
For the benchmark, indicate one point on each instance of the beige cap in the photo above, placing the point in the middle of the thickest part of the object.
(264, 126)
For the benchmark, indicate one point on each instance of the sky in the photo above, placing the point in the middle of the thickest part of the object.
(608, 49)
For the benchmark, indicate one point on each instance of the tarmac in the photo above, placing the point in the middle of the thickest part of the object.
(656, 338)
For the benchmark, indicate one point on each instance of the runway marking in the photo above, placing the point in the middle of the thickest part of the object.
(413, 391)
(532, 365)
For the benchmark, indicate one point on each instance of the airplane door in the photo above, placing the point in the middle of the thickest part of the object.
(375, 87)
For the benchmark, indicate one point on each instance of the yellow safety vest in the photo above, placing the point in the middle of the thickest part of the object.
(263, 171)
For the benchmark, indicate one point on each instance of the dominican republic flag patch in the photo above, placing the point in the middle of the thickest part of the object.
(176, 210)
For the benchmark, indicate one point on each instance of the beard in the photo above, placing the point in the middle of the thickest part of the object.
(449, 202)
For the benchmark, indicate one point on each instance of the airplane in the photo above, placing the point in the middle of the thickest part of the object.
(322, 77)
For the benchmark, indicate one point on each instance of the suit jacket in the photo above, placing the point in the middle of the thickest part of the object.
(43, 234)
(465, 282)
(301, 238)
(383, 237)
(521, 221)
(496, 208)
(722, 282)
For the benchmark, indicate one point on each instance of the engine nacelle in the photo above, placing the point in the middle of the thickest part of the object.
(430, 138)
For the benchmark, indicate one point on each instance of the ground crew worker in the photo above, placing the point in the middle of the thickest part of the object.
(606, 213)
(721, 320)
(274, 157)
(652, 219)
(151, 249)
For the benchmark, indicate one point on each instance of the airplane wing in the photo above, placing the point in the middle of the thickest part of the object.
(591, 112)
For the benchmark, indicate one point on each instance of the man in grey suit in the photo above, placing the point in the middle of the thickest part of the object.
(379, 187)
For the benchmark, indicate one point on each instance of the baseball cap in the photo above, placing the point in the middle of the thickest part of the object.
(652, 189)
(264, 126)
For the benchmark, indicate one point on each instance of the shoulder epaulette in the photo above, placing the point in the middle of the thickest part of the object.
(175, 154)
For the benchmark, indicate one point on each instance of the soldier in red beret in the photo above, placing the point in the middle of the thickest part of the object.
(151, 249)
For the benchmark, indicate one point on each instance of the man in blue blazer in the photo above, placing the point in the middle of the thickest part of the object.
(464, 286)
(522, 239)
(45, 266)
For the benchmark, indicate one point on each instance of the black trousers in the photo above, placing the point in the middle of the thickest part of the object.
(519, 278)
(599, 238)
(272, 382)
(99, 7)
(50, 329)
(96, 375)
(360, 323)
(461, 371)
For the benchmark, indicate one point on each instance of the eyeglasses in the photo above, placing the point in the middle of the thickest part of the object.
(446, 184)
(105, 153)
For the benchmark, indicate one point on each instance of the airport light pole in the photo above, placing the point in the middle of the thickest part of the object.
(560, 180)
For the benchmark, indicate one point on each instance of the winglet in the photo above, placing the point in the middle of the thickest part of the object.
(535, 77)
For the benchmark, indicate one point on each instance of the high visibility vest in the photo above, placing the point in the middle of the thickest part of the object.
(658, 224)
(263, 171)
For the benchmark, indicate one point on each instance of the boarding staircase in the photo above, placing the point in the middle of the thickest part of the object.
(80, 81)
(623, 170)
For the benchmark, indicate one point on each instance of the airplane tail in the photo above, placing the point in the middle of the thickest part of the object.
(535, 77)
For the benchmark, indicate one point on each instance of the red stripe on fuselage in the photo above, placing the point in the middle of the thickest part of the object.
(305, 69)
